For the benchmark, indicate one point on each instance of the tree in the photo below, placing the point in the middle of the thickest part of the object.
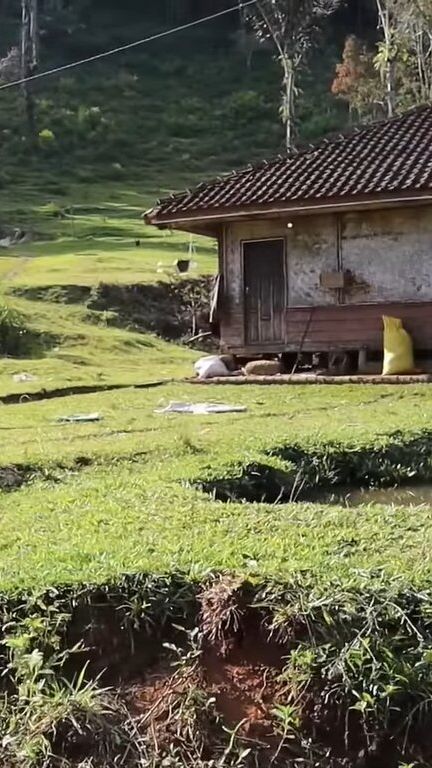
(29, 56)
(356, 80)
(389, 22)
(403, 62)
(404, 58)
(292, 26)
(417, 42)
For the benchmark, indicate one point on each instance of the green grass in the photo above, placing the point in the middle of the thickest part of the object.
(95, 243)
(130, 518)
(132, 511)
(89, 354)
(112, 261)
(124, 495)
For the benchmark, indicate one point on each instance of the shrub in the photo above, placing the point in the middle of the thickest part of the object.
(46, 137)
(14, 335)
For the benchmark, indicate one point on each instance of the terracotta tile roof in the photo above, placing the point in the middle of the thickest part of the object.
(391, 156)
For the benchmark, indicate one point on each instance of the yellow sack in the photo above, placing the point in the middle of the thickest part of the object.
(398, 348)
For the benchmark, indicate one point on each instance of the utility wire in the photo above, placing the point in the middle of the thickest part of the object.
(128, 46)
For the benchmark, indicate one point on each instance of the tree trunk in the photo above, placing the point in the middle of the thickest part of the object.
(29, 58)
(288, 102)
(386, 22)
(391, 87)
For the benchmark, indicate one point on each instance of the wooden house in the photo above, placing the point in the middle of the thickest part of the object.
(316, 246)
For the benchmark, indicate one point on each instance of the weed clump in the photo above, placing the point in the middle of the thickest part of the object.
(17, 339)
(221, 612)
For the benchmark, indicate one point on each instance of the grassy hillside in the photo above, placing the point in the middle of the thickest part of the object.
(184, 591)
(74, 248)
(137, 509)
(163, 115)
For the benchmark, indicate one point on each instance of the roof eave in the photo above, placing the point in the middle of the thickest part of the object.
(209, 218)
(194, 225)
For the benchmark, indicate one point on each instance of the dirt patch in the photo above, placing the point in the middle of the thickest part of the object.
(245, 694)
(241, 664)
(191, 711)
(12, 478)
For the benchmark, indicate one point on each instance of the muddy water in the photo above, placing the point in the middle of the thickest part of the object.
(402, 496)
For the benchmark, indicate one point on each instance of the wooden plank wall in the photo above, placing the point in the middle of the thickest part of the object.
(355, 326)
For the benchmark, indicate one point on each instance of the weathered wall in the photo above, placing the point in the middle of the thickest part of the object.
(390, 255)
(388, 252)
(311, 249)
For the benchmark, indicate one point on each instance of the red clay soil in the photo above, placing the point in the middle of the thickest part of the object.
(244, 693)
(243, 682)
(152, 695)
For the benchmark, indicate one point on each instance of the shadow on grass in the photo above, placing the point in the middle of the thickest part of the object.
(304, 473)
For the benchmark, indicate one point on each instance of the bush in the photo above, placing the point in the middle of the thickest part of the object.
(14, 335)
(46, 137)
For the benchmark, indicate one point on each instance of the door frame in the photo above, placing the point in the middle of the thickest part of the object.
(246, 241)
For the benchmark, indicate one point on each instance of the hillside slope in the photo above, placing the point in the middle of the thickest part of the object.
(164, 114)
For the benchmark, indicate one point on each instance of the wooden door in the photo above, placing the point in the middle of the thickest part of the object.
(264, 285)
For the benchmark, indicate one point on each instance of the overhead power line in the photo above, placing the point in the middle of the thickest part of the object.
(240, 5)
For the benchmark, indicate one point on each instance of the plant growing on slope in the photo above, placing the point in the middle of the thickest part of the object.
(292, 27)
(13, 331)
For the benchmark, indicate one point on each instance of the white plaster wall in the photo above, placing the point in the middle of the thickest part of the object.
(389, 254)
(312, 249)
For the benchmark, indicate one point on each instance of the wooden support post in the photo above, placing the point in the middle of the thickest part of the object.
(362, 360)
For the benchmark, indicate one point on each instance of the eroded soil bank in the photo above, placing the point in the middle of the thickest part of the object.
(169, 672)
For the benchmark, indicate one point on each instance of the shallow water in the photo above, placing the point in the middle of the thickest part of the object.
(401, 496)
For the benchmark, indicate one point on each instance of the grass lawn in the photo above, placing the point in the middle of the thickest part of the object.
(117, 523)
(134, 511)
(137, 506)
(116, 538)
(89, 243)
(122, 357)
(84, 244)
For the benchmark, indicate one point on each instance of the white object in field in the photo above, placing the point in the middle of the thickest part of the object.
(200, 409)
(80, 418)
(22, 377)
(209, 367)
